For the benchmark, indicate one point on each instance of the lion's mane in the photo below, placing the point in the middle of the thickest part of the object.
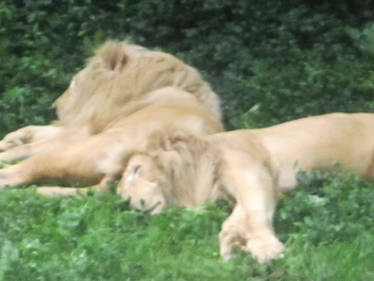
(119, 76)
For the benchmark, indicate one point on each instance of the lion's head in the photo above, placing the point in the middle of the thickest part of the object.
(120, 73)
(181, 171)
(145, 185)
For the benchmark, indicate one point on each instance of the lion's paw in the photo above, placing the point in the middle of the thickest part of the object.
(265, 249)
(230, 243)
(6, 145)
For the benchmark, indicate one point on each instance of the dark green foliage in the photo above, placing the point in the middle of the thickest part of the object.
(328, 221)
(269, 61)
(327, 208)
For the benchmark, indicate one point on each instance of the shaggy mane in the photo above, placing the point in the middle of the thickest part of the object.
(191, 165)
(120, 73)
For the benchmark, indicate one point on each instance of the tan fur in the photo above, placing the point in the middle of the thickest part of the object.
(118, 80)
(121, 73)
(95, 157)
(28, 134)
(112, 109)
(253, 167)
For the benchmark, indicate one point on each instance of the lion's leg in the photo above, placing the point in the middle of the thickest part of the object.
(104, 185)
(232, 235)
(85, 162)
(29, 134)
(75, 164)
(56, 139)
(255, 194)
(47, 168)
(62, 191)
(9, 176)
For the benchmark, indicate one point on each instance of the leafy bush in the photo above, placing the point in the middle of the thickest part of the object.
(328, 208)
(328, 225)
(269, 61)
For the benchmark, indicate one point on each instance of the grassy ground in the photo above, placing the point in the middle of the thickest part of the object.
(327, 226)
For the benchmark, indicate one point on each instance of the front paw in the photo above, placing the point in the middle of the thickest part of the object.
(230, 243)
(265, 249)
(9, 176)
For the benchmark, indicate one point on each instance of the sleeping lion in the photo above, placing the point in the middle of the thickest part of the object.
(110, 111)
(252, 168)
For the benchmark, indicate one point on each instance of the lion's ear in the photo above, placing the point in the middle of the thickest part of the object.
(113, 55)
(134, 173)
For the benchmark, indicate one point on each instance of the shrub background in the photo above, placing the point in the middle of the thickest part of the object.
(270, 61)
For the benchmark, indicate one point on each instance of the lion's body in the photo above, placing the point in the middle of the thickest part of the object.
(253, 167)
(111, 109)
(319, 142)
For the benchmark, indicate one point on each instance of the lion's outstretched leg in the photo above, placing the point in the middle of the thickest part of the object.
(62, 191)
(29, 134)
(40, 169)
(242, 232)
(75, 164)
(10, 176)
(85, 162)
(232, 235)
(251, 221)
(55, 138)
(104, 185)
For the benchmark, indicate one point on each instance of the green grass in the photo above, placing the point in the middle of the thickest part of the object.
(327, 226)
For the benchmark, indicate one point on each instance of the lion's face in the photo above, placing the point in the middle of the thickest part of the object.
(180, 171)
(100, 90)
(63, 102)
(88, 86)
(144, 185)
